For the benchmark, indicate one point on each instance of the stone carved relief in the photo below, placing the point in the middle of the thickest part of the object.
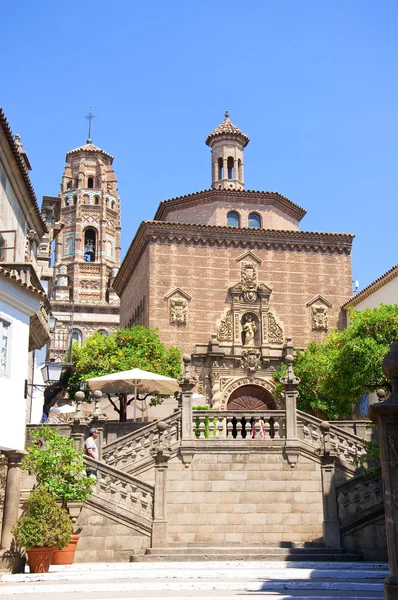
(319, 318)
(249, 281)
(275, 332)
(224, 332)
(251, 360)
(30, 238)
(178, 309)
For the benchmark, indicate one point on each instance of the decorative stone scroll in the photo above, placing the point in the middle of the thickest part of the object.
(275, 332)
(319, 318)
(224, 332)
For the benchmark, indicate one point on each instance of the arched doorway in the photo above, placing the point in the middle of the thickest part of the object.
(251, 397)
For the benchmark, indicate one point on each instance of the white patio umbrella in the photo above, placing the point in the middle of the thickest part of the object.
(134, 381)
(63, 410)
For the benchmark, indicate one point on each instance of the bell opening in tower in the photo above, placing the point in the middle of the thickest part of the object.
(89, 245)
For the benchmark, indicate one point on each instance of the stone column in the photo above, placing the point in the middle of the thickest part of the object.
(11, 498)
(98, 420)
(290, 383)
(187, 440)
(161, 453)
(385, 415)
(78, 424)
(331, 525)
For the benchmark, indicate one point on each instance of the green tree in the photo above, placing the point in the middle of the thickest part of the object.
(137, 347)
(337, 372)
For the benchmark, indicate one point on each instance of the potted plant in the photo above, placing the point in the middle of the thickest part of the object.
(56, 463)
(44, 526)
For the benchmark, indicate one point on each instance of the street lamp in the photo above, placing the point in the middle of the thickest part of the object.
(51, 373)
(52, 322)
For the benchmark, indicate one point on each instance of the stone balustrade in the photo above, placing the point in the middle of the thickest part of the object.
(359, 497)
(238, 426)
(345, 445)
(122, 491)
(128, 451)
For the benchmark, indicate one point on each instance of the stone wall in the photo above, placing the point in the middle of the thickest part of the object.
(368, 538)
(105, 540)
(244, 497)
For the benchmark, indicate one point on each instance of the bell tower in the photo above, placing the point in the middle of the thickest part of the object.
(227, 144)
(87, 249)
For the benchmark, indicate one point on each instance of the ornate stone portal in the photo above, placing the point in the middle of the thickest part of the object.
(248, 346)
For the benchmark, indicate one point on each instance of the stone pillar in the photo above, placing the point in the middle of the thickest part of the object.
(290, 383)
(187, 384)
(98, 420)
(385, 415)
(78, 424)
(161, 453)
(331, 525)
(11, 498)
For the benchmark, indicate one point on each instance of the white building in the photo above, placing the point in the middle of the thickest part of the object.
(24, 305)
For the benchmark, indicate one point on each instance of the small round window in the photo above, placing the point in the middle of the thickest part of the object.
(233, 219)
(254, 221)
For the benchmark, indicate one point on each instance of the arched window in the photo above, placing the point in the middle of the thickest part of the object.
(103, 332)
(220, 164)
(230, 167)
(69, 185)
(70, 245)
(254, 221)
(74, 199)
(96, 199)
(76, 336)
(233, 219)
(90, 238)
(240, 174)
(76, 183)
(90, 183)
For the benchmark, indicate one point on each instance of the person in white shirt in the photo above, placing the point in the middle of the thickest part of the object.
(91, 449)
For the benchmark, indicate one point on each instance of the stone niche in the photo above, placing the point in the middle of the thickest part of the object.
(248, 342)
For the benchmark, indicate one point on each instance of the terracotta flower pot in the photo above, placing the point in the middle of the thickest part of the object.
(65, 556)
(39, 558)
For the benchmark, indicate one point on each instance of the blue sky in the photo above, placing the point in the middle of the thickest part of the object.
(312, 83)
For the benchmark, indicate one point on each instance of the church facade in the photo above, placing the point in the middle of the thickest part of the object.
(226, 275)
(87, 250)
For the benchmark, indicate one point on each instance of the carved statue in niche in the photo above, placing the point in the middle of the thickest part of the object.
(224, 332)
(319, 318)
(249, 331)
(178, 310)
(249, 281)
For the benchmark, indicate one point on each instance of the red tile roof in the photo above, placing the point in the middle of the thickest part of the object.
(88, 148)
(227, 128)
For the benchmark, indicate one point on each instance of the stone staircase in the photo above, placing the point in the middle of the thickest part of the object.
(205, 579)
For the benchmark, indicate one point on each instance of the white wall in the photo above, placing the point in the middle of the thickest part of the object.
(16, 306)
(388, 294)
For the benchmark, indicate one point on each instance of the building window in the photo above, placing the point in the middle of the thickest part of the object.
(254, 221)
(70, 245)
(96, 199)
(4, 346)
(74, 199)
(220, 165)
(69, 185)
(233, 219)
(230, 167)
(240, 174)
(103, 332)
(76, 336)
(89, 245)
(7, 246)
(90, 183)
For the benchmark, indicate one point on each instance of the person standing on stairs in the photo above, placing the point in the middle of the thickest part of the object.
(92, 450)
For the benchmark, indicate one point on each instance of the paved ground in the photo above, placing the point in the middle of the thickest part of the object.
(243, 580)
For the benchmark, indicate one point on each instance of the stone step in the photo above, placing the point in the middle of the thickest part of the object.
(256, 553)
(213, 580)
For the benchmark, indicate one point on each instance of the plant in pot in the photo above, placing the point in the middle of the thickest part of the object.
(56, 463)
(43, 527)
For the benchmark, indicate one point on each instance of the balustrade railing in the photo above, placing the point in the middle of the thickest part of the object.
(239, 425)
(359, 497)
(133, 448)
(347, 446)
